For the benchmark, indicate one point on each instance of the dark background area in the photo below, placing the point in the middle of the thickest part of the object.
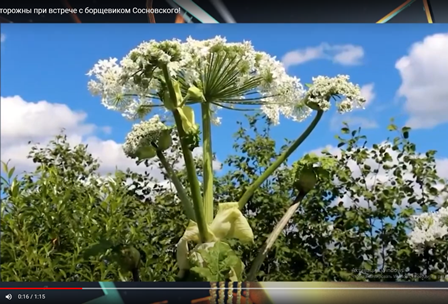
(243, 11)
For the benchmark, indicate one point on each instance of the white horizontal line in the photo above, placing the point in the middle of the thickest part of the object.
(272, 288)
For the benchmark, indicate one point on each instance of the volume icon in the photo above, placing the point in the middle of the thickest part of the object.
(9, 296)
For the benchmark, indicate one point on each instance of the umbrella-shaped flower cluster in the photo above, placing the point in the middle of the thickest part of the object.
(223, 74)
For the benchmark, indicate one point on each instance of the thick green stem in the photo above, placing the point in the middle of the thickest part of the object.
(189, 164)
(181, 194)
(274, 166)
(193, 180)
(252, 276)
(169, 84)
(207, 154)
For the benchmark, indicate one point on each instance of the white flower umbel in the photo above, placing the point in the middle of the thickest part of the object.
(142, 138)
(429, 228)
(324, 88)
(228, 75)
(115, 93)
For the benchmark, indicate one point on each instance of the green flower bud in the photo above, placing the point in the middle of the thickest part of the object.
(188, 120)
(173, 103)
(195, 94)
(177, 90)
(306, 179)
(229, 223)
(167, 102)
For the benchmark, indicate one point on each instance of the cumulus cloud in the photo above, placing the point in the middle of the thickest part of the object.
(354, 121)
(442, 167)
(367, 91)
(23, 121)
(424, 75)
(2, 37)
(344, 54)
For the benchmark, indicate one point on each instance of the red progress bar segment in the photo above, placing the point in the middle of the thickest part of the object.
(44, 288)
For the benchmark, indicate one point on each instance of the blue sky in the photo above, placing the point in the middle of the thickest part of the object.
(49, 62)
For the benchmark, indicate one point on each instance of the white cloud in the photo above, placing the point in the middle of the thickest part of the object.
(345, 54)
(2, 38)
(23, 121)
(424, 74)
(354, 121)
(442, 167)
(367, 91)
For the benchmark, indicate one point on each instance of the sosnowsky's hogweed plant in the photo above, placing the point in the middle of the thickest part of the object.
(165, 79)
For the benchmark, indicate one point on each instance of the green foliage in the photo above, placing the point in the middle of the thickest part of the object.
(351, 227)
(311, 169)
(53, 215)
(62, 222)
(217, 264)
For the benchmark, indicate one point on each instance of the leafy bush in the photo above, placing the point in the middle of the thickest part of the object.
(354, 227)
(53, 215)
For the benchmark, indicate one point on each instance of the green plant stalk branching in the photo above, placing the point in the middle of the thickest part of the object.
(252, 275)
(186, 203)
(193, 180)
(279, 161)
(189, 165)
(207, 162)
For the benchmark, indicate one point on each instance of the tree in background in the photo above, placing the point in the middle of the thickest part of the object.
(52, 216)
(354, 226)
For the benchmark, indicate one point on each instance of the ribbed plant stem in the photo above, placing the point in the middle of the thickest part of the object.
(189, 163)
(252, 276)
(207, 154)
(186, 203)
(193, 180)
(279, 161)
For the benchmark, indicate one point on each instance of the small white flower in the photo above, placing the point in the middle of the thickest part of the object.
(259, 80)
(324, 88)
(143, 135)
(429, 228)
(136, 78)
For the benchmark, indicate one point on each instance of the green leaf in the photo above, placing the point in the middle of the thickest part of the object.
(99, 248)
(392, 127)
(5, 167)
(322, 173)
(405, 132)
(218, 262)
(11, 172)
(128, 258)
(145, 153)
(165, 140)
